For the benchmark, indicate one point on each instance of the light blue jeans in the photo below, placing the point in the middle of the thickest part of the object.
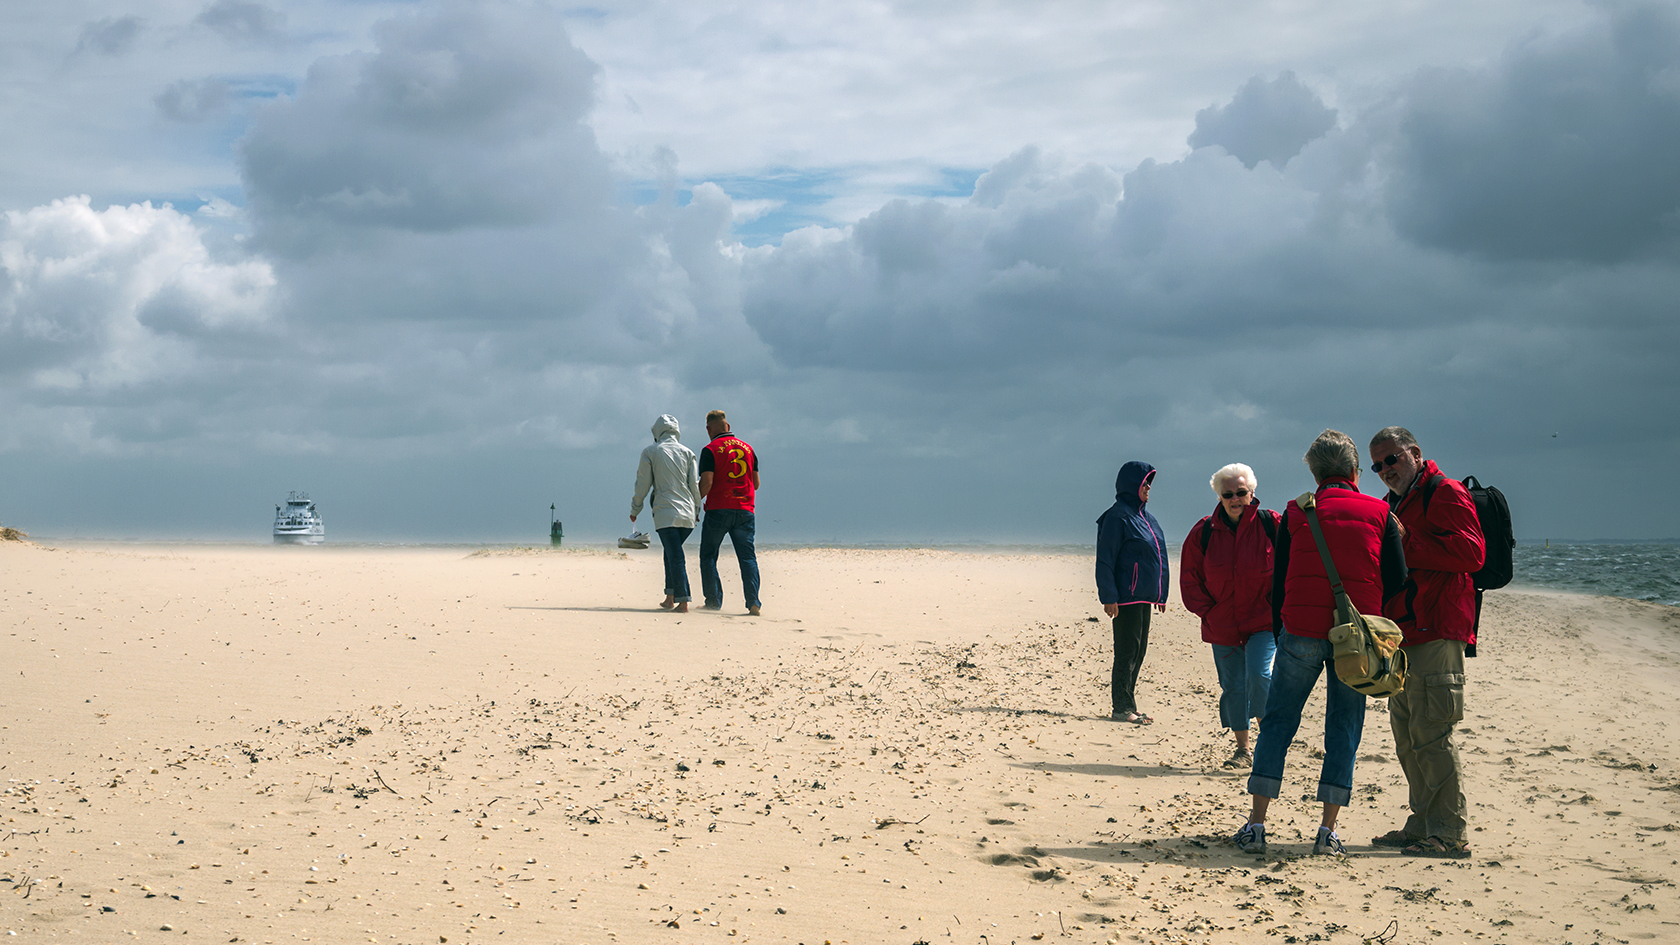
(1245, 677)
(1300, 661)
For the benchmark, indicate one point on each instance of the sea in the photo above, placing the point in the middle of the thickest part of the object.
(1637, 570)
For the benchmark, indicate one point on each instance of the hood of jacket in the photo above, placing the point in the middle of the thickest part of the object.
(666, 425)
(1128, 484)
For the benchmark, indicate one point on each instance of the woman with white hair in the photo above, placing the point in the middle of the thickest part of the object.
(1225, 577)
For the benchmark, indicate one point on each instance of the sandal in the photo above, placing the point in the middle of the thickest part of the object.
(1135, 718)
(1439, 849)
(1397, 839)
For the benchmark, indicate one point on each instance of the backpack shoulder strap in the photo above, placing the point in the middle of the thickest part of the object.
(1207, 532)
(1268, 521)
(1429, 487)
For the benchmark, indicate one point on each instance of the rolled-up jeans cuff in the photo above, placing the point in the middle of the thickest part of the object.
(1332, 794)
(1264, 786)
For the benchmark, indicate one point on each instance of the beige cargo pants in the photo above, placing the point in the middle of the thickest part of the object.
(1423, 716)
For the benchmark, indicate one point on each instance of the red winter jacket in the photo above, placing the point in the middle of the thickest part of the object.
(1364, 542)
(1230, 585)
(1444, 547)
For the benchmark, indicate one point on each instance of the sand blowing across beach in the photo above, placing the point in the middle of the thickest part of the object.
(422, 746)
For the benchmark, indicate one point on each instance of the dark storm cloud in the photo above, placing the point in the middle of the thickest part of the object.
(1044, 264)
(1221, 306)
(1266, 121)
(243, 21)
(1568, 149)
(111, 36)
(473, 116)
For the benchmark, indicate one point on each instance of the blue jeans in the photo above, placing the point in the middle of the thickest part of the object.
(739, 526)
(676, 564)
(1300, 661)
(1245, 677)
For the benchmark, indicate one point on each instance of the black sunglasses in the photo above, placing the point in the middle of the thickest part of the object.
(1239, 494)
(1393, 458)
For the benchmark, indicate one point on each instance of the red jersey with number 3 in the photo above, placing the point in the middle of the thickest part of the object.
(733, 463)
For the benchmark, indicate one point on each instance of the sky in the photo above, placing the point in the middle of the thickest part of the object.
(946, 266)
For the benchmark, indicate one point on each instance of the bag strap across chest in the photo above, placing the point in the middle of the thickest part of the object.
(1344, 608)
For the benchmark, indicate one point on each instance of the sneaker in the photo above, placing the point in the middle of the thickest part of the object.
(1327, 844)
(1251, 839)
(1241, 758)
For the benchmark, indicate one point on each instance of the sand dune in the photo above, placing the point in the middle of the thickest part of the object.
(289, 744)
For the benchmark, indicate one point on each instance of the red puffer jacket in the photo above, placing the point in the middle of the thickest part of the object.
(1230, 585)
(1364, 540)
(1444, 547)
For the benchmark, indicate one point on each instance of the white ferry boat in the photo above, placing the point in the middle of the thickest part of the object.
(297, 522)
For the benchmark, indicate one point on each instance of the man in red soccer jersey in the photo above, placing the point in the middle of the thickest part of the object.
(729, 484)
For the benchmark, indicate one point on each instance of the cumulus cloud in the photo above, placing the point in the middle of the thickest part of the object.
(469, 116)
(1267, 121)
(111, 36)
(101, 303)
(452, 265)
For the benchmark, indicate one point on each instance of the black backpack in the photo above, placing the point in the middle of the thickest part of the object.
(1495, 516)
(1267, 521)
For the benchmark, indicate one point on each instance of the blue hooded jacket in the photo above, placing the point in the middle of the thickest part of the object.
(1131, 549)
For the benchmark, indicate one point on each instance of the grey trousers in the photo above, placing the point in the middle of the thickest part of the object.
(1422, 716)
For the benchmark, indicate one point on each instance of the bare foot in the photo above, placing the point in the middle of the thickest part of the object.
(753, 611)
(682, 608)
(668, 603)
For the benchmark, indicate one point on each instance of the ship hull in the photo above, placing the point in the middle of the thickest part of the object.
(300, 537)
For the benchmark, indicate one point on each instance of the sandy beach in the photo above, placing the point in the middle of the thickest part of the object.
(230, 744)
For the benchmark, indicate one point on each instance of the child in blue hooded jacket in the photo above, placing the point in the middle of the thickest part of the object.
(1131, 580)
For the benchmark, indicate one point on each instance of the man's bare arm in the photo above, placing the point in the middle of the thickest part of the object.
(706, 484)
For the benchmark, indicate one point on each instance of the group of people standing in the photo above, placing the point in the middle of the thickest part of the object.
(723, 479)
(1260, 586)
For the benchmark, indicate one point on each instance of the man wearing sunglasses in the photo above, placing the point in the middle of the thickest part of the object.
(1437, 612)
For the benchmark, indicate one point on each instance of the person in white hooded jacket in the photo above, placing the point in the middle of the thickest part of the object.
(672, 471)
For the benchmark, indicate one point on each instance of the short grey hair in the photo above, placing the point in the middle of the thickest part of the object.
(1332, 454)
(1401, 436)
(1228, 473)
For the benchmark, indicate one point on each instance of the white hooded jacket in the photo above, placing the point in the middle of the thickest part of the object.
(672, 471)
